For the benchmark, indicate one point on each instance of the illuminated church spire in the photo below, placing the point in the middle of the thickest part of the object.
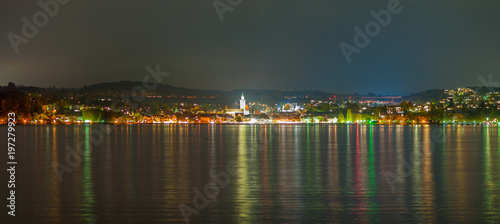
(243, 105)
(242, 101)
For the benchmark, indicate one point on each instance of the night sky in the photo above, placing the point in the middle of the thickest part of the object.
(261, 44)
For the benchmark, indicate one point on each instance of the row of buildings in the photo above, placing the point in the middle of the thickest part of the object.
(288, 113)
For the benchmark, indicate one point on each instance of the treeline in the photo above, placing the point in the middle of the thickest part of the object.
(18, 103)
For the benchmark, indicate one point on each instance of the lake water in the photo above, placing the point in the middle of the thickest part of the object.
(276, 173)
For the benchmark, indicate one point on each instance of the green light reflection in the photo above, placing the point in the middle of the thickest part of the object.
(88, 188)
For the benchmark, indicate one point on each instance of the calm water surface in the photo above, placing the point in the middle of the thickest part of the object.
(277, 173)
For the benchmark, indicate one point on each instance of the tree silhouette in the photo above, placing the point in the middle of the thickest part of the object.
(341, 118)
(349, 115)
(238, 118)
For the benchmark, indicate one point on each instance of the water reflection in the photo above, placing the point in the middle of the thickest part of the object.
(284, 173)
(87, 182)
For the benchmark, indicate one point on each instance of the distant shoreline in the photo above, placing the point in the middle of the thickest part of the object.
(291, 124)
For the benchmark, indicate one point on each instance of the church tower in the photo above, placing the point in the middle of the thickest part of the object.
(243, 105)
(242, 101)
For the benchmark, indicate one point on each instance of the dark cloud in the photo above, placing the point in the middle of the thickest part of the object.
(281, 44)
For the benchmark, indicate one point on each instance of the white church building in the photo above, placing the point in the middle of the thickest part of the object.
(243, 105)
(243, 108)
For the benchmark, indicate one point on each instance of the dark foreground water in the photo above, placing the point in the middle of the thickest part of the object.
(273, 173)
